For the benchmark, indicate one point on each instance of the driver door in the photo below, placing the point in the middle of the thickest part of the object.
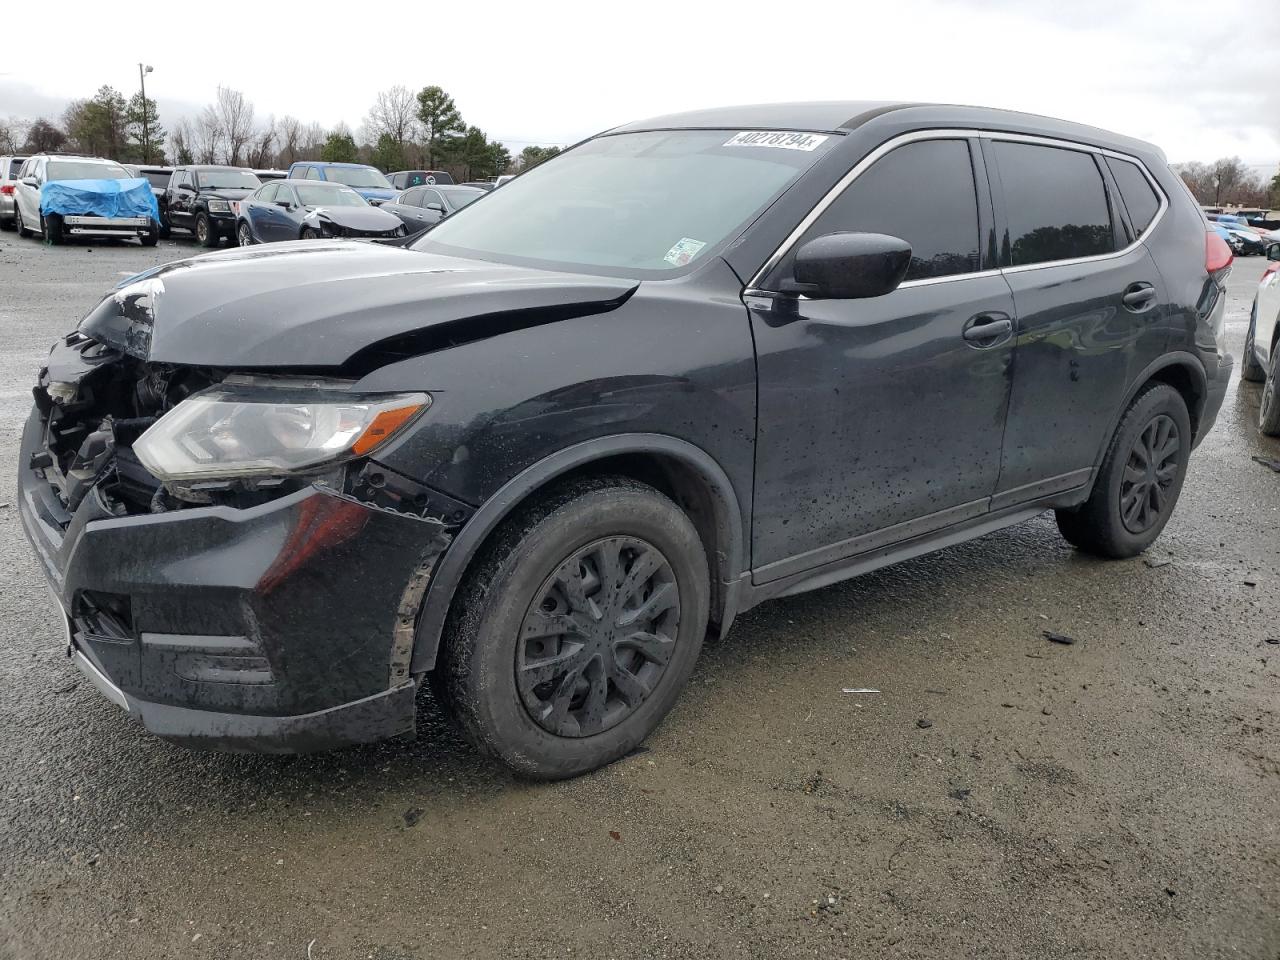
(882, 419)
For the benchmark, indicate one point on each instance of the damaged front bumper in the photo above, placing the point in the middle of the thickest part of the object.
(285, 626)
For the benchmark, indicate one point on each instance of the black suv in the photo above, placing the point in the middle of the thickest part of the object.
(535, 454)
(204, 200)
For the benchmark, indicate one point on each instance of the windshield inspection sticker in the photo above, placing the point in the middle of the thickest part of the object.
(780, 140)
(684, 251)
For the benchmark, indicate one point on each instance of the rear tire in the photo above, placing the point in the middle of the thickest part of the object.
(1139, 481)
(244, 236)
(1250, 368)
(548, 667)
(151, 238)
(206, 232)
(1269, 411)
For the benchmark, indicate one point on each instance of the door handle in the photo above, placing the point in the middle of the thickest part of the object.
(988, 329)
(1138, 296)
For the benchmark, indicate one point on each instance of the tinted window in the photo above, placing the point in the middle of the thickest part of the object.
(1056, 203)
(412, 198)
(923, 193)
(430, 196)
(1140, 199)
(267, 194)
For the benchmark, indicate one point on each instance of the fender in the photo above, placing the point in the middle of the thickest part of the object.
(1178, 358)
(729, 564)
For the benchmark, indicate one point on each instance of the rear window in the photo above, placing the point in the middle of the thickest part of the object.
(1056, 203)
(1139, 197)
(157, 179)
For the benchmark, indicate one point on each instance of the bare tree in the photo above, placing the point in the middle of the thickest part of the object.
(289, 139)
(180, 142)
(394, 113)
(13, 134)
(235, 119)
(313, 138)
(1227, 176)
(263, 146)
(207, 137)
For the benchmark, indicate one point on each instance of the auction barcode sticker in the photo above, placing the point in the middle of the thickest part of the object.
(778, 139)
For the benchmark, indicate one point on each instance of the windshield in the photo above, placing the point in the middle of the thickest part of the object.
(227, 180)
(335, 196)
(637, 202)
(357, 177)
(72, 170)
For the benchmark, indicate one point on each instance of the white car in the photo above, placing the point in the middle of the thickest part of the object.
(1261, 361)
(40, 169)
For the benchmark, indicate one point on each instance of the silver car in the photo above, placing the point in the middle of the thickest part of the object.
(9, 167)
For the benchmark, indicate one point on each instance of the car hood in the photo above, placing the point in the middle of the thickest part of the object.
(358, 218)
(331, 304)
(375, 193)
(228, 193)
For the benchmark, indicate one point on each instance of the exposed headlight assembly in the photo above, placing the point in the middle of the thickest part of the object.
(219, 206)
(225, 433)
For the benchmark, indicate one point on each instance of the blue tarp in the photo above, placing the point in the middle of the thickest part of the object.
(100, 198)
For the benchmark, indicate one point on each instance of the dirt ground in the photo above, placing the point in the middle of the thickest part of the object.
(1000, 796)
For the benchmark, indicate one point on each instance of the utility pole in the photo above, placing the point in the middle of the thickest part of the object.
(146, 131)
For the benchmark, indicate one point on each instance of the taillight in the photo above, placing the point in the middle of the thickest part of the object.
(1217, 255)
(7, 190)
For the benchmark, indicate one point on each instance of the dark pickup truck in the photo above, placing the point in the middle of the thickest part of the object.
(204, 200)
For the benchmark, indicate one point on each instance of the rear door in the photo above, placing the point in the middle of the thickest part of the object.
(881, 419)
(1090, 305)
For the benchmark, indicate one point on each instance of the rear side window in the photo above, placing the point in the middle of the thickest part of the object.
(1140, 198)
(1055, 201)
(923, 193)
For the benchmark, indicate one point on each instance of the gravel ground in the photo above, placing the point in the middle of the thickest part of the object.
(1001, 796)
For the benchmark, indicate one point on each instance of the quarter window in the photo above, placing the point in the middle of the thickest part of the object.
(1140, 199)
(1056, 203)
(923, 193)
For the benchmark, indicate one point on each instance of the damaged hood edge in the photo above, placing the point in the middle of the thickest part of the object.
(317, 304)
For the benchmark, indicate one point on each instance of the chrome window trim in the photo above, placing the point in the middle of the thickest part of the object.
(956, 133)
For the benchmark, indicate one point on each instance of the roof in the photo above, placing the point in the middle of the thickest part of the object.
(842, 116)
(332, 163)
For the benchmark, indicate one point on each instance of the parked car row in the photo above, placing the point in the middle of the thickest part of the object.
(215, 202)
(1246, 239)
(1260, 361)
(61, 196)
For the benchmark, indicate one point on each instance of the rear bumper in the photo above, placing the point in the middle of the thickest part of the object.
(1216, 381)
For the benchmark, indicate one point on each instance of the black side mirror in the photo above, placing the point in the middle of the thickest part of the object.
(284, 203)
(436, 207)
(849, 266)
(30, 182)
(1273, 251)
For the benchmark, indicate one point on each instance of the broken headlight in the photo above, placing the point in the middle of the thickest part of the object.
(227, 433)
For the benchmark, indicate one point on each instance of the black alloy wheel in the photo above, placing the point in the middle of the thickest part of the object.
(244, 236)
(1152, 468)
(597, 637)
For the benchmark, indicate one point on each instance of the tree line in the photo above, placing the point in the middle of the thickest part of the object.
(1229, 182)
(403, 130)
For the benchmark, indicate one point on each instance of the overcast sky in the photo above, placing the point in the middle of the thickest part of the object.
(1200, 78)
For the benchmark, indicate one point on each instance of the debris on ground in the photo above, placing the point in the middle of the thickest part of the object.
(1156, 563)
(1267, 462)
(1058, 637)
(858, 690)
(924, 724)
(413, 815)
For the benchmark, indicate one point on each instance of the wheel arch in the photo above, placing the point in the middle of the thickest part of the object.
(1180, 370)
(681, 470)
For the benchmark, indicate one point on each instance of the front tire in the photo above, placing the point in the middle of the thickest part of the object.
(19, 222)
(576, 629)
(1250, 368)
(51, 227)
(206, 232)
(1269, 411)
(1139, 481)
(308, 234)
